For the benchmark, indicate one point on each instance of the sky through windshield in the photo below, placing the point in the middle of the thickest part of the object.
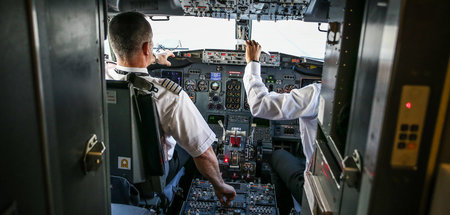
(290, 37)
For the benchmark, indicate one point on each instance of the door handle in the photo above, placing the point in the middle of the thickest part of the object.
(93, 155)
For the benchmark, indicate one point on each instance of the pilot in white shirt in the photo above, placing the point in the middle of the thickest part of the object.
(130, 35)
(301, 104)
(180, 120)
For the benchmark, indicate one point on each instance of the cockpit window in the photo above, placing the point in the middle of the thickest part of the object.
(194, 33)
(290, 37)
(189, 33)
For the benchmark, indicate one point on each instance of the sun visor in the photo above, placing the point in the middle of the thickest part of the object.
(149, 7)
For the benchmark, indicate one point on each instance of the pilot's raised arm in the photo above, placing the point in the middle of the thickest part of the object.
(130, 35)
(275, 106)
(299, 104)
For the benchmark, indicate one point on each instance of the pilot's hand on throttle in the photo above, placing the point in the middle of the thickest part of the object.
(162, 58)
(225, 193)
(252, 51)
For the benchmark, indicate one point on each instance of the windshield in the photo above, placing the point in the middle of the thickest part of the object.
(189, 33)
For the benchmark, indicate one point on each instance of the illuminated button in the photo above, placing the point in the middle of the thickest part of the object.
(402, 136)
(404, 127)
(411, 145)
(414, 127)
(401, 145)
(408, 105)
(412, 137)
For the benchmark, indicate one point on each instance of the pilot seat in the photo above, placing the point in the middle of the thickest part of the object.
(137, 160)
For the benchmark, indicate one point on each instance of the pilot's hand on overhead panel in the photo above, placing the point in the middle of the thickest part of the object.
(253, 51)
(162, 58)
(225, 191)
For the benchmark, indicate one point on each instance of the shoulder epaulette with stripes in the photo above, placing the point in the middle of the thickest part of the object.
(172, 86)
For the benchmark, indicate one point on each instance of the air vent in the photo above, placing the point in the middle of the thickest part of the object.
(289, 77)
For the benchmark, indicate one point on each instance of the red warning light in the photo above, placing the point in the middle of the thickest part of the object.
(408, 105)
(226, 160)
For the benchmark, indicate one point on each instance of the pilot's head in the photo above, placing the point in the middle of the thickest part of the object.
(130, 35)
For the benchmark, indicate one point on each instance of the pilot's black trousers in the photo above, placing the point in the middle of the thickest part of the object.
(179, 159)
(288, 178)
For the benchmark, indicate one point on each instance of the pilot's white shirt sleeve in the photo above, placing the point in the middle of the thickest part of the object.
(181, 119)
(299, 104)
(274, 106)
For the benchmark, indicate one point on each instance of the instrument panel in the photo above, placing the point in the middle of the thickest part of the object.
(213, 79)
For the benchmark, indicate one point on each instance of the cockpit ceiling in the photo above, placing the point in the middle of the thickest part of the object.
(225, 9)
(245, 9)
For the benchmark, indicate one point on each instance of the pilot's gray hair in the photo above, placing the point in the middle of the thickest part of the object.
(128, 32)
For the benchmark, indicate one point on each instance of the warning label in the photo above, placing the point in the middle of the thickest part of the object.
(111, 97)
(124, 163)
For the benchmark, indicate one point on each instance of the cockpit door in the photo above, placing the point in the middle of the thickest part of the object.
(52, 104)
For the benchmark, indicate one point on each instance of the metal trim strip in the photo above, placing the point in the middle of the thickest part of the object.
(37, 70)
(440, 122)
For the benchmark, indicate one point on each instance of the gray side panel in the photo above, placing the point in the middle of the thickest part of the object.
(22, 178)
(70, 34)
(120, 138)
(412, 59)
(364, 88)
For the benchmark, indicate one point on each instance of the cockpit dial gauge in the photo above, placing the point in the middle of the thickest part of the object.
(215, 86)
(189, 85)
(191, 96)
(202, 85)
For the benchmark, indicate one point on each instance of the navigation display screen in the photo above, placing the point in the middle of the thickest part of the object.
(174, 76)
(261, 122)
(214, 119)
(216, 76)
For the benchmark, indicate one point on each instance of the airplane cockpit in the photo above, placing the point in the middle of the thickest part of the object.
(211, 73)
(358, 90)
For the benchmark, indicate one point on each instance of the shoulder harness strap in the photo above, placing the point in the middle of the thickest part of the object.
(172, 86)
(141, 83)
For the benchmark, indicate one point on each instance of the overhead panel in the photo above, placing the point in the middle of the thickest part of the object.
(246, 9)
